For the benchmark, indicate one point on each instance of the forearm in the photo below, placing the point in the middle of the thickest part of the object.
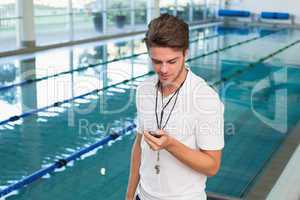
(134, 170)
(193, 158)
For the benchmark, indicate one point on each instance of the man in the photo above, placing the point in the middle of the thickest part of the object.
(179, 122)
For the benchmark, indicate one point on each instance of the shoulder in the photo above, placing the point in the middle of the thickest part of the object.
(203, 94)
(147, 85)
(201, 86)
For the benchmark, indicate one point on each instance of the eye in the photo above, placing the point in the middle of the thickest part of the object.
(156, 62)
(172, 62)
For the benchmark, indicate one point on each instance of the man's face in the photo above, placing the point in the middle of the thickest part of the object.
(167, 62)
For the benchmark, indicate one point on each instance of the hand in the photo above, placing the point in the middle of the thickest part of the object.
(156, 143)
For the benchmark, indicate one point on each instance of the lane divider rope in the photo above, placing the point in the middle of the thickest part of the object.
(63, 162)
(28, 81)
(252, 65)
(56, 104)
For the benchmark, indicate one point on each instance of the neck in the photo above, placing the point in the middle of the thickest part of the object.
(174, 85)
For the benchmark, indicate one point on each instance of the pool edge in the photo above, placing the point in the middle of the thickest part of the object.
(271, 173)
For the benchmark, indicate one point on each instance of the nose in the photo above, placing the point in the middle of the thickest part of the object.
(164, 68)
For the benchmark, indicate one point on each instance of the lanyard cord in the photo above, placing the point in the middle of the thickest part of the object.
(162, 111)
(159, 123)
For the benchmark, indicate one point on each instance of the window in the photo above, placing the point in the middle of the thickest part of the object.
(183, 8)
(88, 18)
(168, 6)
(51, 21)
(8, 24)
(199, 9)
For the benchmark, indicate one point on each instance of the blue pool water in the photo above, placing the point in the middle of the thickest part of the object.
(261, 107)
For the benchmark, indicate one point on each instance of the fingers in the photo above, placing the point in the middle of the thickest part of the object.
(160, 133)
(155, 140)
(151, 144)
(156, 143)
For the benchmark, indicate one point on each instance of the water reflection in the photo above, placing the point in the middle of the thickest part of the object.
(70, 83)
(8, 73)
(28, 94)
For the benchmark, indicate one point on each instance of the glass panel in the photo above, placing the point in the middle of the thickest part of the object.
(167, 6)
(140, 16)
(8, 22)
(87, 18)
(140, 12)
(118, 16)
(198, 10)
(7, 8)
(118, 4)
(213, 6)
(48, 7)
(8, 34)
(183, 9)
(87, 25)
(51, 21)
(118, 20)
(87, 5)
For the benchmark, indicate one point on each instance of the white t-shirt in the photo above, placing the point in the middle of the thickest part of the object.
(196, 121)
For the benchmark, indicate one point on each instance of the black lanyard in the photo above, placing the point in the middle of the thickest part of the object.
(159, 123)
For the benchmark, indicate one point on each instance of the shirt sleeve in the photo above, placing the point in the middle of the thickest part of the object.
(209, 120)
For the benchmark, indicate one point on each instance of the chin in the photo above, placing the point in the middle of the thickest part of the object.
(166, 81)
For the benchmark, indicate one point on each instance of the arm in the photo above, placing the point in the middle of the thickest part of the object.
(134, 167)
(204, 161)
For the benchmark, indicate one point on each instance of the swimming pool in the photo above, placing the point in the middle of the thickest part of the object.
(258, 90)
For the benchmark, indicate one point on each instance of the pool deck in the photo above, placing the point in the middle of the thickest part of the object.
(280, 179)
(287, 186)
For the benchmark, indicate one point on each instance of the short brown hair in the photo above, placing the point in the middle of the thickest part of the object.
(167, 31)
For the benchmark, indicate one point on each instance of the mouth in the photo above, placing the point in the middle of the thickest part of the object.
(164, 77)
